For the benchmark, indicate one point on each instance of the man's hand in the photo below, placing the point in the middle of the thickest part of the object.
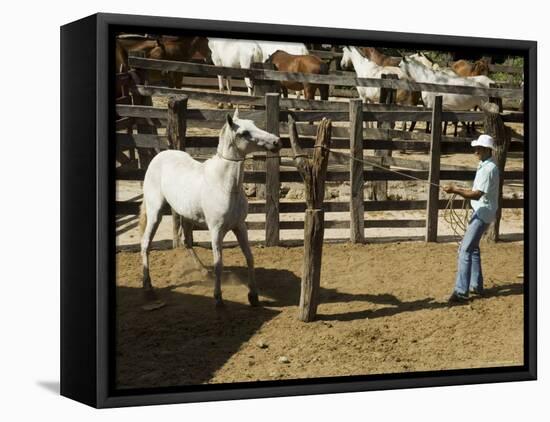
(449, 189)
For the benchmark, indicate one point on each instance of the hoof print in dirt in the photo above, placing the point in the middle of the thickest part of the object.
(157, 304)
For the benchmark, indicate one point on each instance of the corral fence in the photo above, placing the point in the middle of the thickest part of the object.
(138, 125)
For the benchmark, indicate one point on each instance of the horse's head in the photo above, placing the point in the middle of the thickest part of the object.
(240, 137)
(407, 66)
(346, 62)
(481, 67)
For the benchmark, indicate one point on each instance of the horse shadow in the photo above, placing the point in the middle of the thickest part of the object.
(281, 288)
(182, 343)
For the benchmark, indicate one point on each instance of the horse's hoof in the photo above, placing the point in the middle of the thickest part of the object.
(253, 299)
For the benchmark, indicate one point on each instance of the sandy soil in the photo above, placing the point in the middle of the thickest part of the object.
(383, 306)
(382, 310)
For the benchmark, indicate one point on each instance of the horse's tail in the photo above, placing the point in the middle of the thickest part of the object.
(142, 219)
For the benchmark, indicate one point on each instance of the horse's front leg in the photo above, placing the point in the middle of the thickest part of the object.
(217, 238)
(241, 233)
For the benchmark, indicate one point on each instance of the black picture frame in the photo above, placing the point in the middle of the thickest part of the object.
(87, 246)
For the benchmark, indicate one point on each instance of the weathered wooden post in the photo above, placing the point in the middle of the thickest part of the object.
(387, 96)
(432, 205)
(272, 173)
(139, 77)
(261, 87)
(176, 129)
(314, 172)
(494, 126)
(496, 100)
(357, 180)
(333, 67)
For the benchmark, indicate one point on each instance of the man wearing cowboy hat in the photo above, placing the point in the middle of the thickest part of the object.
(484, 199)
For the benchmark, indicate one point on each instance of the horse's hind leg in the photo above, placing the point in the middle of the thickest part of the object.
(241, 234)
(188, 243)
(217, 238)
(152, 216)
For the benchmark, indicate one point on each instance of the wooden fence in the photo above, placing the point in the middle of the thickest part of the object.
(352, 139)
(331, 79)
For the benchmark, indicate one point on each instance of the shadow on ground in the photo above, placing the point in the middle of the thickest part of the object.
(398, 307)
(186, 341)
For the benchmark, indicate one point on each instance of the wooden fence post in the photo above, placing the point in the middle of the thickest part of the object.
(494, 126)
(176, 129)
(387, 96)
(432, 206)
(313, 172)
(261, 88)
(357, 181)
(332, 67)
(496, 100)
(139, 76)
(272, 176)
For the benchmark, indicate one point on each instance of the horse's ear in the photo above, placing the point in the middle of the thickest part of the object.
(229, 119)
(236, 114)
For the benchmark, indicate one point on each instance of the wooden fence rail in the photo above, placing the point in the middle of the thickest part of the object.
(354, 140)
(341, 80)
(149, 112)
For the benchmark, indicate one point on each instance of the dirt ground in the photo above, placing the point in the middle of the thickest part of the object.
(383, 305)
(382, 310)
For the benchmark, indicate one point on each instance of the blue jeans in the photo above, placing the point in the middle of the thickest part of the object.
(469, 275)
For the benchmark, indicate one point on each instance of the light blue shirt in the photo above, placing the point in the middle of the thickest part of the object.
(486, 181)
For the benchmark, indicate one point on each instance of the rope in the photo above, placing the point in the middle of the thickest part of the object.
(458, 224)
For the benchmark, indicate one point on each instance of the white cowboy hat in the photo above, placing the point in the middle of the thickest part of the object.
(485, 141)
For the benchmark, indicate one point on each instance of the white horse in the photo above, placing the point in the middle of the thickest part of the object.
(365, 68)
(270, 47)
(421, 58)
(239, 54)
(420, 73)
(209, 193)
(455, 102)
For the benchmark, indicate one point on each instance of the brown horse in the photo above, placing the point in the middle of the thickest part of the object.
(379, 58)
(464, 68)
(286, 62)
(179, 48)
(163, 48)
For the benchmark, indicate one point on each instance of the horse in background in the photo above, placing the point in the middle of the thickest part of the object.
(285, 62)
(380, 58)
(164, 47)
(239, 54)
(270, 47)
(465, 68)
(421, 58)
(365, 68)
(455, 102)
